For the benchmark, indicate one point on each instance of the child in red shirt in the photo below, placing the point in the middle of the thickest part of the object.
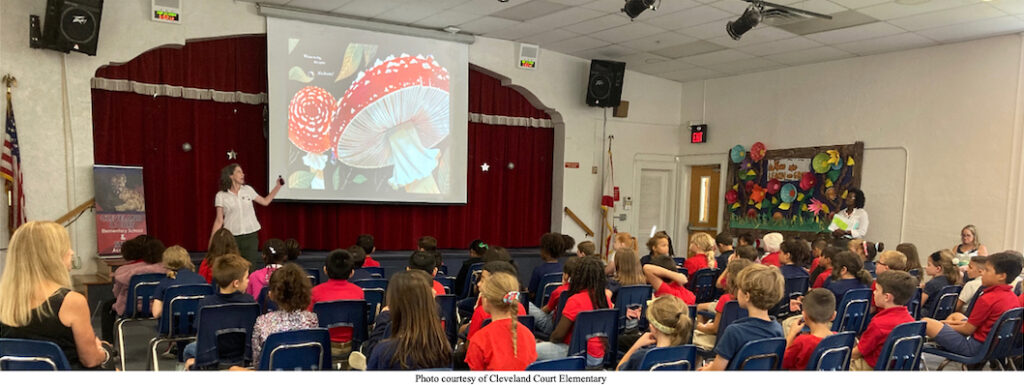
(339, 268)
(423, 260)
(703, 247)
(589, 282)
(479, 312)
(366, 242)
(965, 335)
(893, 289)
(821, 273)
(661, 274)
(772, 242)
(819, 309)
(504, 344)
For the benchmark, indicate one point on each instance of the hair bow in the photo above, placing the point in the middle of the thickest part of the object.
(272, 251)
(510, 297)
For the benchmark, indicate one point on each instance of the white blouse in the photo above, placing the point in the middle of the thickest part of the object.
(856, 223)
(239, 215)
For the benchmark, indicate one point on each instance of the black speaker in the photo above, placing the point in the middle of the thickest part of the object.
(72, 25)
(605, 86)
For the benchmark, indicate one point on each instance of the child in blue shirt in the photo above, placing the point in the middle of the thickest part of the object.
(231, 272)
(550, 249)
(847, 274)
(759, 288)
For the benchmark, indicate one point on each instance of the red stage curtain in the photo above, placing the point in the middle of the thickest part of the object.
(508, 207)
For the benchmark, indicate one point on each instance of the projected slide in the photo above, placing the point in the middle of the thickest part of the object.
(366, 116)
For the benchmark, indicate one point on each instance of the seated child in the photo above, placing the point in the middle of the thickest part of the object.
(294, 251)
(479, 313)
(965, 335)
(892, 292)
(661, 274)
(819, 309)
(817, 248)
(542, 315)
(723, 242)
(794, 254)
(588, 284)
(231, 272)
(424, 260)
(418, 340)
(550, 249)
(274, 254)
(366, 242)
(742, 252)
(290, 289)
(628, 271)
(847, 274)
(670, 325)
(772, 243)
(706, 331)
(887, 260)
(586, 248)
(974, 269)
(179, 272)
(504, 344)
(703, 247)
(944, 273)
(339, 267)
(821, 274)
(759, 288)
(358, 258)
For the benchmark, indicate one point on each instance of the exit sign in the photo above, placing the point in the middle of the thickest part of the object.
(699, 133)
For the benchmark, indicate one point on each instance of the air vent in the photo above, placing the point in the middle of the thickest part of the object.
(801, 25)
(776, 17)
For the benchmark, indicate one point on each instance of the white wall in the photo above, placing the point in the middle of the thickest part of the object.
(56, 182)
(955, 109)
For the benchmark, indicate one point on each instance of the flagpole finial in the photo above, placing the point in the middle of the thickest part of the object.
(10, 81)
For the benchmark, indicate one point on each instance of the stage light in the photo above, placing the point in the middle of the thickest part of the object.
(745, 22)
(634, 8)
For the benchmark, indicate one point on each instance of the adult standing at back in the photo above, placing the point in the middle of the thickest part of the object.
(969, 247)
(236, 214)
(852, 221)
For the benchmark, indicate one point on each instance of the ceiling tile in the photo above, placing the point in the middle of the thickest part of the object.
(513, 33)
(724, 56)
(611, 52)
(689, 49)
(576, 44)
(902, 41)
(857, 4)
(606, 6)
(364, 8)
(627, 32)
(483, 7)
(735, 7)
(598, 24)
(860, 32)
(781, 46)
(487, 24)
(550, 37)
(659, 41)
(409, 13)
(317, 5)
(754, 64)
(641, 59)
(707, 30)
(976, 29)
(529, 10)
(689, 17)
(820, 6)
(566, 17)
(893, 10)
(571, 2)
(812, 55)
(1015, 7)
(444, 19)
(662, 67)
(673, 6)
(691, 74)
(948, 17)
(757, 35)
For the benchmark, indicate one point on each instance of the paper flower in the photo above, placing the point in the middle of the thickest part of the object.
(819, 163)
(731, 196)
(749, 187)
(788, 193)
(757, 151)
(833, 157)
(752, 213)
(817, 207)
(808, 181)
(774, 186)
(737, 154)
(758, 194)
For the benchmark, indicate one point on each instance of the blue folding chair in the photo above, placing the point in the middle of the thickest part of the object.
(225, 335)
(374, 271)
(445, 281)
(704, 285)
(851, 315)
(561, 364)
(762, 354)
(22, 354)
(305, 349)
(914, 305)
(136, 308)
(547, 290)
(833, 353)
(178, 317)
(902, 349)
(974, 299)
(449, 316)
(631, 297)
(999, 343)
(546, 280)
(946, 302)
(314, 276)
(267, 305)
(471, 277)
(372, 283)
(603, 323)
(375, 301)
(795, 287)
(526, 320)
(443, 270)
(679, 262)
(682, 357)
(344, 313)
(557, 315)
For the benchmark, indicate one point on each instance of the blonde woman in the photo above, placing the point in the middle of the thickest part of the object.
(37, 302)
(970, 246)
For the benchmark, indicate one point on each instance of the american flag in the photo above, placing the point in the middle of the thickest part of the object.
(10, 168)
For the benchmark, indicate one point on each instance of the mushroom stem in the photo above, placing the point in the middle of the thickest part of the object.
(423, 186)
(413, 162)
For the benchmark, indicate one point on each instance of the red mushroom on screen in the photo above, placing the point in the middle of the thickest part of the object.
(394, 114)
(309, 128)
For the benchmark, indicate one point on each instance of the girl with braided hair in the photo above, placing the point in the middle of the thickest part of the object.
(504, 344)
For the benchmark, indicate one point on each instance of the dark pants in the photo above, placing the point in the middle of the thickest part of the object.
(249, 247)
(107, 319)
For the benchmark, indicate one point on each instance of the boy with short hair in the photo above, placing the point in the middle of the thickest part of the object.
(819, 309)
(723, 241)
(358, 258)
(817, 248)
(339, 268)
(661, 273)
(893, 289)
(974, 269)
(759, 288)
(424, 260)
(231, 272)
(965, 335)
(427, 243)
(365, 241)
(888, 260)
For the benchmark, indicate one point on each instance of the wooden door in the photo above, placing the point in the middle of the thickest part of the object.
(704, 199)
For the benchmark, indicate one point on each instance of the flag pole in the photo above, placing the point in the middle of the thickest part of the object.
(9, 82)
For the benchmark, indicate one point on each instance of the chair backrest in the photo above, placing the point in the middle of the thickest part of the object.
(448, 316)
(180, 308)
(266, 304)
(730, 313)
(305, 349)
(914, 305)
(561, 364)
(603, 323)
(314, 276)
(902, 349)
(445, 281)
(562, 299)
(225, 334)
(680, 261)
(471, 277)
(631, 297)
(372, 283)
(443, 270)
(374, 271)
(344, 313)
(974, 298)
(670, 358)
(1000, 341)
(546, 280)
(22, 354)
(375, 301)
(140, 294)
(833, 352)
(795, 287)
(526, 320)
(545, 293)
(704, 285)
(852, 312)
(762, 354)
(946, 301)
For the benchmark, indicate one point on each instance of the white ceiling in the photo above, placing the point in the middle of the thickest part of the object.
(685, 39)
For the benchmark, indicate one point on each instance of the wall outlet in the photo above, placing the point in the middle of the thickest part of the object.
(593, 170)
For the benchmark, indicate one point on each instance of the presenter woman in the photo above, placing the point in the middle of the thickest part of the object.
(235, 211)
(852, 221)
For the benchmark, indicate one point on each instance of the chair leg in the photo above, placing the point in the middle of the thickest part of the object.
(151, 355)
(943, 365)
(119, 334)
